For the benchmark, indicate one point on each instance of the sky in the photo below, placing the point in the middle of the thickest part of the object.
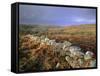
(63, 16)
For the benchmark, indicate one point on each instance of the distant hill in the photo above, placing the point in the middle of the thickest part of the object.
(39, 26)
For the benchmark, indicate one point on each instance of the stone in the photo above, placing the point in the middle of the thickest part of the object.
(80, 61)
(93, 63)
(52, 42)
(67, 43)
(88, 55)
(76, 51)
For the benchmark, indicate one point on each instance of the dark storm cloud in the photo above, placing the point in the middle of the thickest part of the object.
(31, 14)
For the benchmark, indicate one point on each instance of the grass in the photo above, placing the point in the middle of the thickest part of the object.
(83, 35)
(43, 58)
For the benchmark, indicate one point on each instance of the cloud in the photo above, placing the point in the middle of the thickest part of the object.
(32, 14)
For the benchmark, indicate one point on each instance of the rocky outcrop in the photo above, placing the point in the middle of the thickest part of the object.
(55, 55)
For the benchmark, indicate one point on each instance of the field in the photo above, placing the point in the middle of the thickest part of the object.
(37, 55)
(83, 35)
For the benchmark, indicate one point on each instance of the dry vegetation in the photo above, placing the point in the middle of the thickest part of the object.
(83, 35)
(36, 55)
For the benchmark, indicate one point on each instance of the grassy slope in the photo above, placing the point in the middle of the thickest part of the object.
(82, 35)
